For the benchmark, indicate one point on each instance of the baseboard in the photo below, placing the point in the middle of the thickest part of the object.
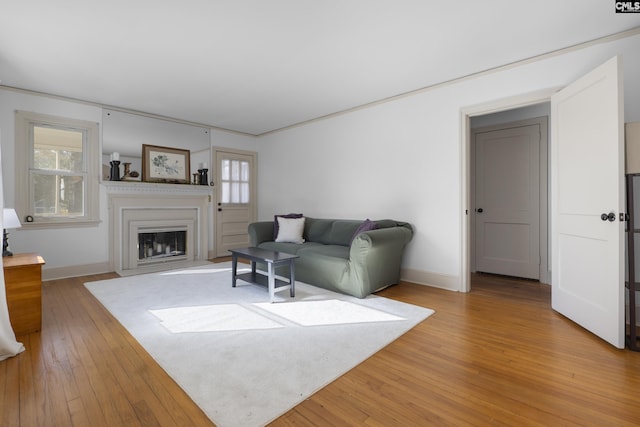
(436, 280)
(75, 271)
(420, 277)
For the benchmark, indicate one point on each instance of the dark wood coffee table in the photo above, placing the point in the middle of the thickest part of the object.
(273, 259)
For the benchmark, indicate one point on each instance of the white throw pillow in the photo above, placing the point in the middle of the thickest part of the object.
(290, 230)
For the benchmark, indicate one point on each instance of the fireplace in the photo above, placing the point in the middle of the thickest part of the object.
(156, 227)
(158, 245)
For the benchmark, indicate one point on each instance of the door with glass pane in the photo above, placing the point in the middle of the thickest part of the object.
(236, 199)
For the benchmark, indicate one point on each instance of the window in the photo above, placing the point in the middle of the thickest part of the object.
(235, 181)
(56, 170)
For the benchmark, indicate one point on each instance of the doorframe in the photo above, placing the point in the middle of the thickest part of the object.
(215, 175)
(504, 104)
(543, 181)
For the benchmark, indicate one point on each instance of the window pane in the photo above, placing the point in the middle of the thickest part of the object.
(225, 170)
(245, 172)
(235, 192)
(225, 193)
(58, 195)
(245, 193)
(59, 149)
(235, 170)
(44, 159)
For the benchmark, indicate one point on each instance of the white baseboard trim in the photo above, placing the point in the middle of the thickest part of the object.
(442, 281)
(436, 280)
(75, 271)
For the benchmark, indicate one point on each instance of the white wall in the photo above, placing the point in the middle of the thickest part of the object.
(402, 159)
(84, 249)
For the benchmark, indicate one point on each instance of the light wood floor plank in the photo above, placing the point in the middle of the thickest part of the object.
(9, 387)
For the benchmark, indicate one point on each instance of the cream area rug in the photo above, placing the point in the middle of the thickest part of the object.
(243, 360)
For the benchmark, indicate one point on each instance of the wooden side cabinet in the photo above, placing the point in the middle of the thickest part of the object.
(23, 283)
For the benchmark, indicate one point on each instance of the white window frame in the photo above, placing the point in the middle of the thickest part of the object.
(25, 121)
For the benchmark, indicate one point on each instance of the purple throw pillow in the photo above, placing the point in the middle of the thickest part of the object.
(276, 227)
(367, 225)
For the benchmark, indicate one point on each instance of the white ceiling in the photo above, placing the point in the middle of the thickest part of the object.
(254, 66)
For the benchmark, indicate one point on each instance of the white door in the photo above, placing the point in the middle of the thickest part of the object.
(587, 186)
(236, 199)
(507, 194)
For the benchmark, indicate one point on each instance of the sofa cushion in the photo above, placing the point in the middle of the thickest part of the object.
(338, 251)
(290, 230)
(276, 226)
(315, 229)
(339, 232)
(289, 248)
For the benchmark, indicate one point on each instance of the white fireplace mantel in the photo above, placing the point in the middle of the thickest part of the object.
(129, 201)
(137, 187)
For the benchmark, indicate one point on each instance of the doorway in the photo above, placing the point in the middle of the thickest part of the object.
(587, 238)
(236, 207)
(509, 228)
(503, 114)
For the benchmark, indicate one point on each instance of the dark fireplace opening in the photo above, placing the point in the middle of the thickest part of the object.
(156, 246)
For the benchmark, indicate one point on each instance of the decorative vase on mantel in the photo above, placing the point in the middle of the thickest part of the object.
(115, 170)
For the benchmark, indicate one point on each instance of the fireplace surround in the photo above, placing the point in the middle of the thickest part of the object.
(176, 213)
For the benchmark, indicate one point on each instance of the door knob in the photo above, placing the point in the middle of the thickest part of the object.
(608, 217)
(479, 210)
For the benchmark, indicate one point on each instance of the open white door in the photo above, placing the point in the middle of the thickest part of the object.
(587, 186)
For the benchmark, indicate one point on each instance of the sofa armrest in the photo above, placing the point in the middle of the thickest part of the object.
(392, 239)
(259, 232)
(376, 256)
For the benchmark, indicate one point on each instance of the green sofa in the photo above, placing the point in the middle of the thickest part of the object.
(332, 258)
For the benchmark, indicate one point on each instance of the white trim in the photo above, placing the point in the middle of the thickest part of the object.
(427, 278)
(75, 271)
(133, 187)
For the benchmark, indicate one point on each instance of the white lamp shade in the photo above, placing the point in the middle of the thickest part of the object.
(632, 144)
(10, 218)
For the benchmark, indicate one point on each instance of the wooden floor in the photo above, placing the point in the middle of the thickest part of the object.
(495, 356)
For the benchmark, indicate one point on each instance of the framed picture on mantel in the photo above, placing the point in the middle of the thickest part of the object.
(165, 164)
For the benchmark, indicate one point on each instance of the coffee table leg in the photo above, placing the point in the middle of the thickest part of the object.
(272, 281)
(234, 265)
(292, 280)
